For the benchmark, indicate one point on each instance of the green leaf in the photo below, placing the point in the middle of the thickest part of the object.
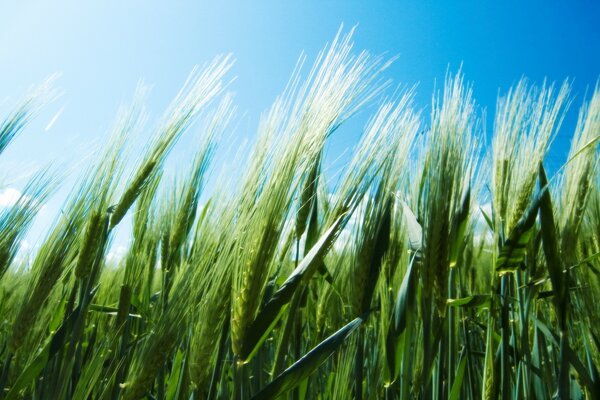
(382, 240)
(305, 366)
(458, 379)
(112, 311)
(460, 220)
(476, 300)
(487, 218)
(176, 376)
(550, 246)
(406, 297)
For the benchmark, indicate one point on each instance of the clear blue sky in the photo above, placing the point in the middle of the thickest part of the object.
(103, 48)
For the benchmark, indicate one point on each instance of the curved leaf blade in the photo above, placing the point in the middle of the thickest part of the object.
(305, 366)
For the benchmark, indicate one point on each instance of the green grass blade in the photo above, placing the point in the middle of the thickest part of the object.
(458, 379)
(305, 366)
(475, 300)
(405, 300)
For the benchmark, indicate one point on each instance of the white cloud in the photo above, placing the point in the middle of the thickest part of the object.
(116, 254)
(9, 196)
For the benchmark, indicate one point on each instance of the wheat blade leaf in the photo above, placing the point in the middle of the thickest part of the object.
(304, 367)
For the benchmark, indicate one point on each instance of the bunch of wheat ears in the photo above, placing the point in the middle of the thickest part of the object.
(432, 266)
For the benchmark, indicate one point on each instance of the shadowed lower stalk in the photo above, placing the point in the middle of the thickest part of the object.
(358, 367)
(212, 392)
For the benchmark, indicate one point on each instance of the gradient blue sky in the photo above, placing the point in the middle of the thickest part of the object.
(103, 48)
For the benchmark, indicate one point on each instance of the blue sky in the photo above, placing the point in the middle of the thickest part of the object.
(103, 48)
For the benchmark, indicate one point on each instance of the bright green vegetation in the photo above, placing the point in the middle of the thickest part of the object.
(428, 267)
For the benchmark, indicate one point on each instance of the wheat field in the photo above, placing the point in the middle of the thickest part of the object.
(437, 264)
